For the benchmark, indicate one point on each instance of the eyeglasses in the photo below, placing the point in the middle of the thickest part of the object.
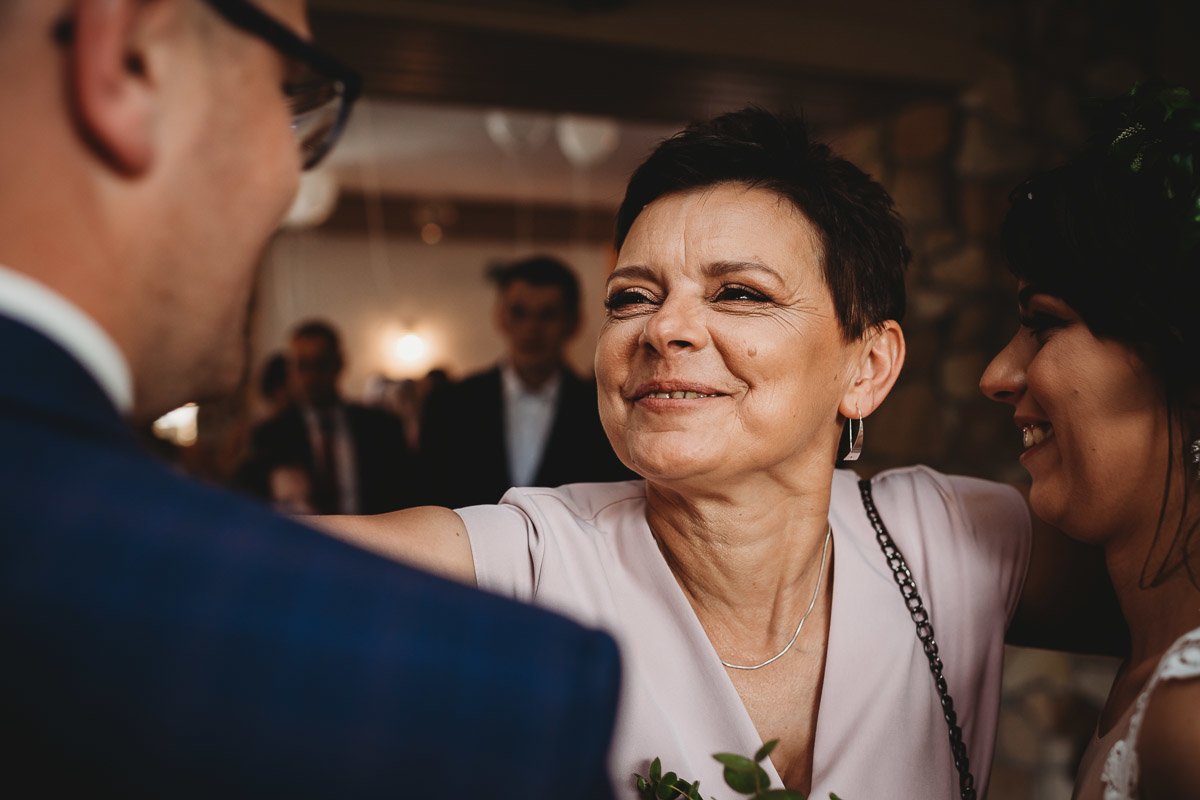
(320, 89)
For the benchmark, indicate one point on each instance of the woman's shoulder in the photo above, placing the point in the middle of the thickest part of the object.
(922, 483)
(1169, 738)
(1170, 742)
(584, 502)
(926, 508)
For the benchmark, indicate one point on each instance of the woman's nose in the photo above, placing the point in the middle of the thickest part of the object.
(675, 326)
(1004, 378)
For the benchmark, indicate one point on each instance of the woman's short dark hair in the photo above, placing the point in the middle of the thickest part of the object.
(864, 254)
(1115, 234)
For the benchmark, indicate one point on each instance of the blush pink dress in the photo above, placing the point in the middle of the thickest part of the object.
(585, 550)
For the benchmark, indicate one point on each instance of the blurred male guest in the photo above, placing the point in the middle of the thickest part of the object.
(357, 456)
(163, 638)
(529, 421)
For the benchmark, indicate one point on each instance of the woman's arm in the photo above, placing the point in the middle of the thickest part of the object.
(1067, 602)
(429, 537)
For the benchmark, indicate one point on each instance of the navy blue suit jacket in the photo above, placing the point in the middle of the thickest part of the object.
(465, 453)
(163, 638)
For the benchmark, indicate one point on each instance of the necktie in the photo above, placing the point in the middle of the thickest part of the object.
(325, 493)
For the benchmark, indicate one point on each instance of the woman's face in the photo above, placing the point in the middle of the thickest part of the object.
(721, 354)
(1092, 418)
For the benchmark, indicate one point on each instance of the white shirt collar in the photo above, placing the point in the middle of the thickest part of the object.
(528, 418)
(27, 301)
(514, 387)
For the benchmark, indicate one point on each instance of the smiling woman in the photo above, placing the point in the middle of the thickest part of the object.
(703, 303)
(753, 311)
(1103, 377)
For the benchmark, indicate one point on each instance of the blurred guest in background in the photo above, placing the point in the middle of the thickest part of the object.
(530, 420)
(273, 388)
(357, 456)
(290, 489)
(163, 638)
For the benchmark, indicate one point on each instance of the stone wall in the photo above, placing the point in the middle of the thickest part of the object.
(950, 167)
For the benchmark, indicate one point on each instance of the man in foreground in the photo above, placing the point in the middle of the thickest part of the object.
(163, 638)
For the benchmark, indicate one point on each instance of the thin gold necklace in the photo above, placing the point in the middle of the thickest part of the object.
(811, 605)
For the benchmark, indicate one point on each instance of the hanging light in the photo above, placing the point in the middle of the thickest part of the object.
(586, 141)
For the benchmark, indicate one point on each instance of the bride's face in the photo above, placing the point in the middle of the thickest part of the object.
(1092, 418)
(721, 354)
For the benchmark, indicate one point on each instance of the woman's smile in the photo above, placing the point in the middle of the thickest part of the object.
(1035, 436)
(673, 395)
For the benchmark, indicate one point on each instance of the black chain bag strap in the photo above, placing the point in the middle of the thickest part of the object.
(920, 617)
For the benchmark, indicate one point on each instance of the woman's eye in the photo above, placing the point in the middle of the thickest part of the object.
(739, 293)
(1041, 324)
(624, 298)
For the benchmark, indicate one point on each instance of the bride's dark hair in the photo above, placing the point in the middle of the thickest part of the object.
(1115, 233)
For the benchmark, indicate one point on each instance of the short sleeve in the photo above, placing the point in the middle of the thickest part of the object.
(998, 524)
(507, 549)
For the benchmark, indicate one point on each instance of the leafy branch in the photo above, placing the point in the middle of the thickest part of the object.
(743, 775)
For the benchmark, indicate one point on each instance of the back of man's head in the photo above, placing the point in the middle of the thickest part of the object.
(148, 156)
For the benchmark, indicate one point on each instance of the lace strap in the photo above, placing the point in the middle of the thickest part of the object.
(1181, 661)
(1121, 768)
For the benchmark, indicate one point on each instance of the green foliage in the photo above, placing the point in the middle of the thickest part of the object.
(743, 775)
(1155, 133)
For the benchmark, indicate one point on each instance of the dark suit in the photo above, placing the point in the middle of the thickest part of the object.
(463, 441)
(163, 638)
(385, 468)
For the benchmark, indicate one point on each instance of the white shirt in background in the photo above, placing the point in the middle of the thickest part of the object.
(345, 468)
(528, 417)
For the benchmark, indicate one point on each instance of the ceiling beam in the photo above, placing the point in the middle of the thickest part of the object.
(402, 218)
(436, 62)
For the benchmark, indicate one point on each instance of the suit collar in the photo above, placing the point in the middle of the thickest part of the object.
(41, 380)
(26, 300)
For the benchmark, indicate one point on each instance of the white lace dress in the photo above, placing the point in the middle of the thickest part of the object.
(1120, 774)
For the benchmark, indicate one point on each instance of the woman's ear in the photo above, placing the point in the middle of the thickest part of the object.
(112, 94)
(880, 359)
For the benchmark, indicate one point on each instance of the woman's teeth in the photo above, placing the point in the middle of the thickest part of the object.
(678, 395)
(1035, 434)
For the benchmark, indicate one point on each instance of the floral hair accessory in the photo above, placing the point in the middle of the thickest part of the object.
(1153, 132)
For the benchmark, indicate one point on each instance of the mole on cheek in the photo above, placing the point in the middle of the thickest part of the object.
(751, 352)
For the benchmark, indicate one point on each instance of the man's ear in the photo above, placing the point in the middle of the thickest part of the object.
(109, 84)
(879, 364)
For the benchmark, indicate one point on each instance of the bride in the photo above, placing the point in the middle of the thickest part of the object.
(1104, 379)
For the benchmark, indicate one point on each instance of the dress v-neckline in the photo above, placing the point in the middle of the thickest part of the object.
(747, 732)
